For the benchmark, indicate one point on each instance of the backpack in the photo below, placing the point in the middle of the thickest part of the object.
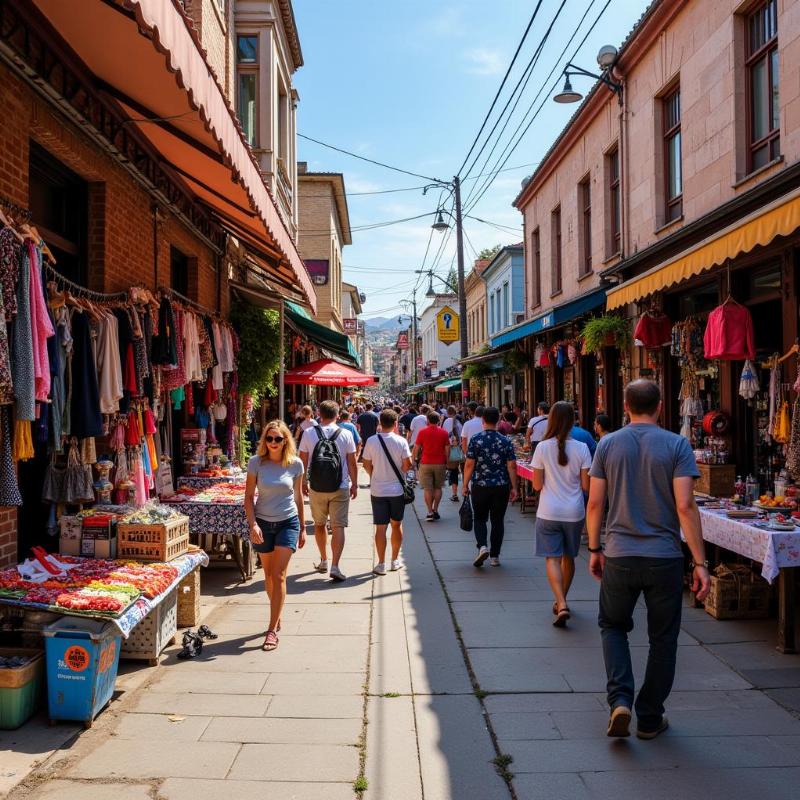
(325, 468)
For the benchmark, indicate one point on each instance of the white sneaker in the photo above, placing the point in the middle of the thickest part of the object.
(336, 574)
(495, 562)
(483, 554)
(379, 569)
(321, 567)
(396, 565)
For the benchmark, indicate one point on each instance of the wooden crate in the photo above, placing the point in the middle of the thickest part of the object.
(189, 600)
(154, 632)
(737, 593)
(718, 480)
(161, 542)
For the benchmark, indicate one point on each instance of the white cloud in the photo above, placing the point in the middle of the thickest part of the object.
(447, 22)
(484, 61)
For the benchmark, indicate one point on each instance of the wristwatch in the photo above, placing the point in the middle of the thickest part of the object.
(703, 564)
(596, 549)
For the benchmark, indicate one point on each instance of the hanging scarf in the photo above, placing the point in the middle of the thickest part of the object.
(9, 488)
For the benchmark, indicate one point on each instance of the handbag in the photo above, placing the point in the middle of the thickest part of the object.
(465, 515)
(408, 489)
(455, 456)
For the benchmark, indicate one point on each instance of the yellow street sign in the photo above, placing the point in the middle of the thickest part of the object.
(447, 325)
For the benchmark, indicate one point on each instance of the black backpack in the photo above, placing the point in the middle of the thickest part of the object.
(325, 469)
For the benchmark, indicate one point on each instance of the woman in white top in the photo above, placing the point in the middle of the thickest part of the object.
(561, 473)
(452, 427)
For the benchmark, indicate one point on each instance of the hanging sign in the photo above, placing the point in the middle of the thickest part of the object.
(317, 270)
(402, 341)
(447, 326)
(350, 326)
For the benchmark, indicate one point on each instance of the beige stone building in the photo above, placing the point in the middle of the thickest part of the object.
(475, 290)
(324, 231)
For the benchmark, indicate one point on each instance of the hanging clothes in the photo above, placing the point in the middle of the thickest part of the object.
(62, 398)
(793, 450)
(109, 365)
(729, 333)
(217, 372)
(41, 328)
(653, 330)
(192, 360)
(10, 259)
(165, 350)
(748, 382)
(85, 416)
(9, 488)
(22, 345)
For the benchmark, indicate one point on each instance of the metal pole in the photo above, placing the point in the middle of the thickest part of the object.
(281, 369)
(462, 295)
(414, 333)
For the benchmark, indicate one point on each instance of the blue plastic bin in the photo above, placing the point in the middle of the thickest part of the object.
(82, 664)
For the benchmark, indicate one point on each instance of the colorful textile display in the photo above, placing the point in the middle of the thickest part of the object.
(729, 333)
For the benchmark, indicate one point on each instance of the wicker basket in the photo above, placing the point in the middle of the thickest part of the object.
(737, 593)
(161, 542)
(154, 632)
(189, 600)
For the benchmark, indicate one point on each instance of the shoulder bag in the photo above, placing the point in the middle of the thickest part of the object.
(408, 489)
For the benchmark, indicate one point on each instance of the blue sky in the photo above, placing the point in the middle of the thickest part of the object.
(408, 83)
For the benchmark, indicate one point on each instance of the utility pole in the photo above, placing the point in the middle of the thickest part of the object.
(414, 334)
(462, 294)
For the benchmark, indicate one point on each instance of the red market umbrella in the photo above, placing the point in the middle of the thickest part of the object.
(327, 372)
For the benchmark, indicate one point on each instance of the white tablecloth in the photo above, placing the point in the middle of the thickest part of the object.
(774, 550)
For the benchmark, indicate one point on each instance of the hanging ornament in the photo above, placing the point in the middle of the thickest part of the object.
(748, 383)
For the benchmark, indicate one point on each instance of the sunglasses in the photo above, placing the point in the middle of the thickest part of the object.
(273, 439)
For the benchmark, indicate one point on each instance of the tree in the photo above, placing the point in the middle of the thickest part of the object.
(452, 280)
(489, 252)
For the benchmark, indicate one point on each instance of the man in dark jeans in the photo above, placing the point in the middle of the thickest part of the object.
(648, 476)
(490, 474)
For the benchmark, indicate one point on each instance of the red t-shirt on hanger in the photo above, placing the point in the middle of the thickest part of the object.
(729, 333)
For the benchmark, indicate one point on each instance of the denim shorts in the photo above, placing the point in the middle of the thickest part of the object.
(555, 539)
(278, 534)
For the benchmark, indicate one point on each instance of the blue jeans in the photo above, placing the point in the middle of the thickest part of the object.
(661, 582)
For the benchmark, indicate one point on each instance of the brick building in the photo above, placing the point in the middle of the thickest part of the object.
(135, 174)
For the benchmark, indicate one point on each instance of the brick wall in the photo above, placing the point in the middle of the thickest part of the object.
(213, 26)
(120, 230)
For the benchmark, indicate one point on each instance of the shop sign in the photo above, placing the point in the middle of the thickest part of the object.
(317, 270)
(402, 341)
(447, 326)
(362, 328)
(350, 326)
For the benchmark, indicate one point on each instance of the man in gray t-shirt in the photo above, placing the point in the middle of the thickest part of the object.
(647, 475)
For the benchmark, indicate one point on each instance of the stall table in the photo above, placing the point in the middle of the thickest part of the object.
(528, 500)
(226, 520)
(200, 482)
(778, 552)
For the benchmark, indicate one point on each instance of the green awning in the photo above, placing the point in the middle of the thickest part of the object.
(337, 343)
(446, 386)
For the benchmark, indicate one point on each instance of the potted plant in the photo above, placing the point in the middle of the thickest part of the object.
(608, 330)
(476, 372)
(514, 360)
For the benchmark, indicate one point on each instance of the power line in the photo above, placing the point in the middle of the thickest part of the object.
(512, 145)
(522, 82)
(500, 88)
(369, 160)
(497, 225)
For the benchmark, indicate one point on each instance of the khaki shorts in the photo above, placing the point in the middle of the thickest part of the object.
(331, 506)
(431, 476)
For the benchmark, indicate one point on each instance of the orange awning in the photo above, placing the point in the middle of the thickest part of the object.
(148, 60)
(779, 218)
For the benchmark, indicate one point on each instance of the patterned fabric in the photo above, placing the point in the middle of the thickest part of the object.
(9, 270)
(9, 489)
(490, 451)
(220, 518)
(196, 482)
(774, 550)
(22, 346)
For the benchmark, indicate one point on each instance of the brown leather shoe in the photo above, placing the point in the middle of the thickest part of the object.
(619, 723)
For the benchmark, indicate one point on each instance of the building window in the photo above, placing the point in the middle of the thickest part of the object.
(762, 85)
(59, 203)
(585, 200)
(536, 270)
(178, 271)
(555, 259)
(614, 203)
(505, 306)
(673, 172)
(247, 80)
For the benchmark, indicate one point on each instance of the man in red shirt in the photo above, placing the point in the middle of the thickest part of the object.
(433, 443)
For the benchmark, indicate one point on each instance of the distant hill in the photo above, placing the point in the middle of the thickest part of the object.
(382, 324)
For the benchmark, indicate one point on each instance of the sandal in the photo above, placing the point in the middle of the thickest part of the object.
(561, 618)
(192, 645)
(204, 632)
(270, 641)
(555, 607)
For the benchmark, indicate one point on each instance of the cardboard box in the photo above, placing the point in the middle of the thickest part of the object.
(70, 540)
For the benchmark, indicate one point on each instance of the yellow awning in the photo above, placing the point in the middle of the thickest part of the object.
(779, 218)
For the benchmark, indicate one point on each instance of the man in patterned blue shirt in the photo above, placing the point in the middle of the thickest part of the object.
(490, 476)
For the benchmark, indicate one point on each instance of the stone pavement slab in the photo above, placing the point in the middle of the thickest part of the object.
(319, 684)
(197, 789)
(78, 790)
(161, 727)
(331, 706)
(199, 704)
(276, 730)
(288, 762)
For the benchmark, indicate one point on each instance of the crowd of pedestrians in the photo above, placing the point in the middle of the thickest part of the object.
(629, 491)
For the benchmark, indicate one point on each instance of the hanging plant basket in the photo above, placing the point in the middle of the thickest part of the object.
(608, 330)
(514, 360)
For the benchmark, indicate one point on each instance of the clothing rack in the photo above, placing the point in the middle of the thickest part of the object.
(16, 210)
(82, 291)
(185, 300)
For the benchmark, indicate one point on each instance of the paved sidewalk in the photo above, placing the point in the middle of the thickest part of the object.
(412, 648)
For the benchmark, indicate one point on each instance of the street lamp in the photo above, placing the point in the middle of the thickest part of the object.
(606, 59)
(431, 292)
(440, 226)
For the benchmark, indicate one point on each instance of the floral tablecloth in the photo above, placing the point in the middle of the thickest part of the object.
(137, 611)
(196, 482)
(524, 471)
(774, 550)
(220, 518)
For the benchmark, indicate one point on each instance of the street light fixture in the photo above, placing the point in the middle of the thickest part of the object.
(440, 226)
(567, 94)
(606, 59)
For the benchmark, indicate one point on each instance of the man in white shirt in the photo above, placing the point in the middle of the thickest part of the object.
(471, 427)
(386, 491)
(417, 424)
(537, 425)
(333, 506)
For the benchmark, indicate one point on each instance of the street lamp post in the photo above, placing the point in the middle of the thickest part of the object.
(413, 317)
